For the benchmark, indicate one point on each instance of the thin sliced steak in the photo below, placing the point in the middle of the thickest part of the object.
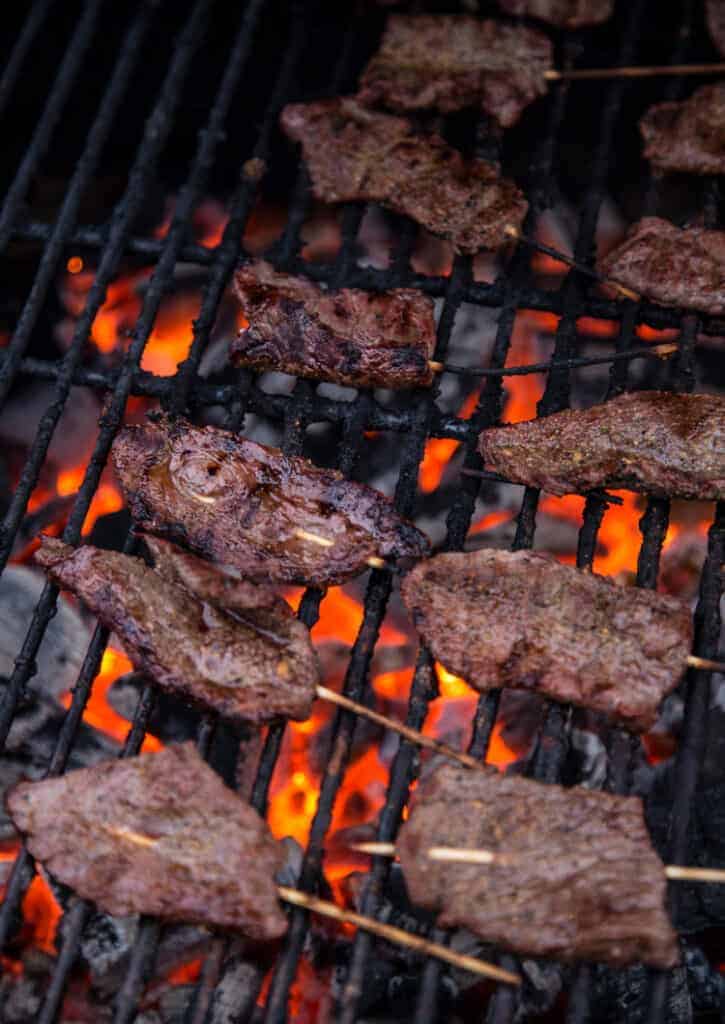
(688, 136)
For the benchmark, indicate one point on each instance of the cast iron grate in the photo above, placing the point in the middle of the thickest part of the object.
(512, 290)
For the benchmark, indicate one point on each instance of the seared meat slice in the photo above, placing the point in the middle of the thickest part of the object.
(245, 505)
(652, 441)
(563, 13)
(355, 153)
(156, 834)
(682, 267)
(523, 620)
(351, 337)
(688, 136)
(715, 17)
(448, 62)
(577, 877)
(250, 666)
(220, 585)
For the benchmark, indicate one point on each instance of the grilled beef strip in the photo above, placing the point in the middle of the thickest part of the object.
(682, 267)
(523, 620)
(576, 876)
(251, 666)
(449, 62)
(156, 834)
(353, 153)
(361, 339)
(715, 18)
(671, 446)
(688, 136)
(562, 13)
(243, 504)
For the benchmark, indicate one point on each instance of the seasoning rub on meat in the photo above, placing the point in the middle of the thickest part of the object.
(354, 153)
(523, 620)
(563, 13)
(272, 517)
(683, 267)
(357, 338)
(156, 834)
(250, 665)
(574, 875)
(688, 136)
(449, 62)
(652, 441)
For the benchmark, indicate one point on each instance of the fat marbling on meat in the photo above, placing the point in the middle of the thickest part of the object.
(352, 337)
(663, 444)
(251, 507)
(525, 621)
(354, 153)
(156, 834)
(574, 875)
(688, 136)
(683, 267)
(449, 62)
(251, 666)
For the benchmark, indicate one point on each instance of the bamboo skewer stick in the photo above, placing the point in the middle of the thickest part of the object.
(705, 664)
(466, 855)
(650, 71)
(396, 935)
(403, 730)
(324, 542)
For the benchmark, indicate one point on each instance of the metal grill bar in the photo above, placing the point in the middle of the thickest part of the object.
(30, 29)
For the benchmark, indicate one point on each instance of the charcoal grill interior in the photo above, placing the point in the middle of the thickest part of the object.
(110, 108)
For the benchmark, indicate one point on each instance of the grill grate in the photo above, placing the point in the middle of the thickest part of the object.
(512, 291)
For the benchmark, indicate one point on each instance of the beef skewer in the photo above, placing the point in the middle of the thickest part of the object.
(562, 13)
(468, 855)
(523, 620)
(223, 643)
(573, 874)
(656, 442)
(162, 835)
(240, 503)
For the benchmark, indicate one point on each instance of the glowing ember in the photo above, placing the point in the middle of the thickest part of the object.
(440, 450)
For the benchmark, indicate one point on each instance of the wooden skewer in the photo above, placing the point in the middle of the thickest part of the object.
(652, 71)
(513, 232)
(705, 664)
(396, 935)
(403, 730)
(465, 855)
(324, 542)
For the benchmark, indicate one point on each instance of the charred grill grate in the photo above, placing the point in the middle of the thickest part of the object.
(512, 291)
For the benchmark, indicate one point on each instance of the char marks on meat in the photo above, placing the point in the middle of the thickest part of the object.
(251, 665)
(357, 154)
(683, 267)
(357, 338)
(449, 62)
(667, 445)
(563, 13)
(243, 504)
(715, 17)
(688, 136)
(156, 834)
(577, 877)
(523, 620)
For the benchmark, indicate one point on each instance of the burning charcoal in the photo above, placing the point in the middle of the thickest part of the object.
(557, 536)
(171, 720)
(449, 62)
(660, 443)
(524, 620)
(106, 947)
(156, 834)
(60, 656)
(705, 983)
(249, 667)
(715, 17)
(275, 518)
(353, 153)
(680, 267)
(563, 13)
(624, 995)
(574, 875)
(356, 338)
(688, 136)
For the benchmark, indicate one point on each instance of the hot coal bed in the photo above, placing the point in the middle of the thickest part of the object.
(143, 161)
